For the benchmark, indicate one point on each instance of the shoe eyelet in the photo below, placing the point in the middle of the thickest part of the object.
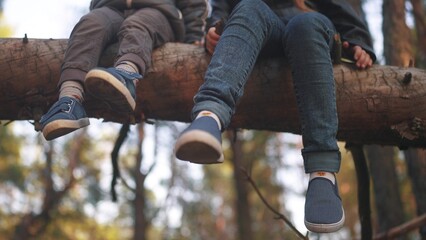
(69, 106)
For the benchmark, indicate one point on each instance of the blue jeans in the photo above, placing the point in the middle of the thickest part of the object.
(306, 41)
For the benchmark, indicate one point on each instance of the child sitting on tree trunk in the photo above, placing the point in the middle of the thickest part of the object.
(138, 26)
(305, 36)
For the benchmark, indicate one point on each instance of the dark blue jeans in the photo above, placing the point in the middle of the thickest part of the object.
(306, 41)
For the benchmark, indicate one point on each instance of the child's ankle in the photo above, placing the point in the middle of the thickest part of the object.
(127, 66)
(73, 89)
(212, 115)
(328, 175)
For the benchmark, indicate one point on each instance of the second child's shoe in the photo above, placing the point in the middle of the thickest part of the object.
(201, 142)
(114, 86)
(65, 116)
(323, 207)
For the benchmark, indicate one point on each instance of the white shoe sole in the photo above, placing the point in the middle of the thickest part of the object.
(59, 128)
(199, 147)
(106, 87)
(325, 228)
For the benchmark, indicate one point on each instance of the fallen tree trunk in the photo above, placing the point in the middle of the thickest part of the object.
(383, 105)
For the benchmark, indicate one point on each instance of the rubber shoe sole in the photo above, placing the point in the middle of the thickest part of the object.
(107, 87)
(199, 147)
(325, 228)
(61, 127)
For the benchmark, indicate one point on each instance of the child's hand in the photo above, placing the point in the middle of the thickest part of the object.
(362, 58)
(211, 40)
(198, 43)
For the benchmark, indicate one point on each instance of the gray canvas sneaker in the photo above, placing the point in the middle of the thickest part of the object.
(65, 116)
(323, 207)
(201, 142)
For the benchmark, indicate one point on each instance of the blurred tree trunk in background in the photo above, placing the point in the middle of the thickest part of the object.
(416, 165)
(397, 52)
(389, 209)
(390, 212)
(140, 222)
(416, 158)
(242, 204)
(33, 225)
(263, 162)
(361, 168)
(223, 203)
(397, 44)
(382, 168)
(420, 30)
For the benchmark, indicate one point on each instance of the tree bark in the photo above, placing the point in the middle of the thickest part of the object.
(383, 105)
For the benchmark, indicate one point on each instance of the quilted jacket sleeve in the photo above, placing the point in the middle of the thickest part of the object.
(194, 14)
(220, 10)
(350, 26)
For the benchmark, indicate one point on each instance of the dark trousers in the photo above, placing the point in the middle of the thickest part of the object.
(137, 32)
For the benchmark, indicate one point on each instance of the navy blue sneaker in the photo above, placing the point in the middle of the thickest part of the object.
(201, 142)
(114, 86)
(323, 207)
(65, 116)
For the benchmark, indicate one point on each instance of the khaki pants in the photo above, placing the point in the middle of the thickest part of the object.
(137, 32)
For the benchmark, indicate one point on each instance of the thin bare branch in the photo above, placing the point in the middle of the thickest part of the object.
(272, 209)
(402, 229)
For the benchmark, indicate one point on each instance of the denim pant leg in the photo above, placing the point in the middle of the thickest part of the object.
(251, 24)
(307, 41)
(88, 39)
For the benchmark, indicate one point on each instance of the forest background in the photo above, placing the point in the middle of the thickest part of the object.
(61, 189)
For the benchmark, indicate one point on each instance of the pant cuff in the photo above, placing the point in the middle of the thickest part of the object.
(72, 74)
(322, 161)
(134, 58)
